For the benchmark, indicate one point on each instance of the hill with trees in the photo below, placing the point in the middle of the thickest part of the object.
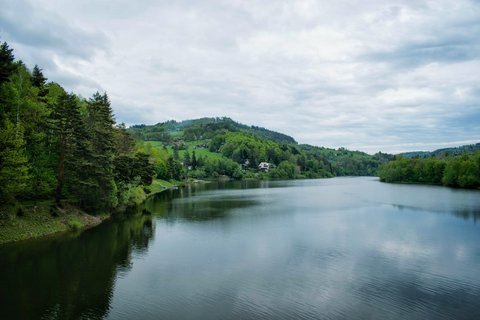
(211, 147)
(201, 129)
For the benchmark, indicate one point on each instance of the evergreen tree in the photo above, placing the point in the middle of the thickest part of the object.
(100, 125)
(124, 142)
(186, 159)
(72, 146)
(175, 153)
(38, 79)
(7, 66)
(194, 161)
(13, 162)
(143, 168)
(174, 169)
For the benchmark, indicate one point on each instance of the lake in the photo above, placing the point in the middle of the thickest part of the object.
(341, 248)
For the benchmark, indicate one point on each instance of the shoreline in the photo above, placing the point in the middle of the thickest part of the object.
(25, 222)
(44, 219)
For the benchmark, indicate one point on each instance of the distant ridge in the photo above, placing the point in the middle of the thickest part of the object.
(443, 152)
(197, 128)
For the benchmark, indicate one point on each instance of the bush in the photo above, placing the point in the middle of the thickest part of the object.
(75, 224)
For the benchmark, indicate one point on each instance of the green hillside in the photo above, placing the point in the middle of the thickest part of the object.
(210, 147)
(201, 129)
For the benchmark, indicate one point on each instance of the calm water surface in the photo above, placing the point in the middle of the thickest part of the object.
(343, 248)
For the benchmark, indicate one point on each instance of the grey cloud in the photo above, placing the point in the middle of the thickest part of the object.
(444, 50)
(31, 26)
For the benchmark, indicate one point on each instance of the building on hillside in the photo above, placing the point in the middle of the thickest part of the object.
(264, 166)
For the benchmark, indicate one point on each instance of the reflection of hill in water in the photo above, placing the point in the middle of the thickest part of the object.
(182, 204)
(69, 278)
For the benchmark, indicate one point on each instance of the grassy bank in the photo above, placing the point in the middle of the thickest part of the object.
(27, 221)
(32, 220)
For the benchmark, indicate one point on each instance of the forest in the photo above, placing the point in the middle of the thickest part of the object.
(460, 171)
(59, 145)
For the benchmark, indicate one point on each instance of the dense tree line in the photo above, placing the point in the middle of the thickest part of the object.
(58, 145)
(454, 171)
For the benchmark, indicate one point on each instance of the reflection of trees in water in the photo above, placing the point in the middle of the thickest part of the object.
(466, 213)
(473, 214)
(69, 278)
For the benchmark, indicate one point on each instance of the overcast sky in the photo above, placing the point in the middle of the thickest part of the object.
(367, 75)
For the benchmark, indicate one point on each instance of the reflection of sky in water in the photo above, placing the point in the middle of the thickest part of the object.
(335, 248)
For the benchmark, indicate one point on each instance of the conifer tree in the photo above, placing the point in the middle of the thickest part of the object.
(194, 160)
(100, 125)
(124, 142)
(186, 159)
(175, 152)
(72, 146)
(7, 66)
(13, 162)
(38, 79)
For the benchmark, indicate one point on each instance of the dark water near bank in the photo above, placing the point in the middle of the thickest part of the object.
(343, 248)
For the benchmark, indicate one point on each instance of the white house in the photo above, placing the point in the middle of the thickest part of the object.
(265, 166)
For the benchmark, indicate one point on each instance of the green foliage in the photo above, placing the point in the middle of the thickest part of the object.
(72, 147)
(7, 67)
(38, 79)
(218, 167)
(285, 170)
(156, 132)
(132, 168)
(130, 194)
(194, 162)
(187, 161)
(237, 173)
(445, 152)
(54, 144)
(241, 146)
(204, 128)
(174, 170)
(75, 224)
(463, 171)
(13, 162)
(124, 142)
(210, 141)
(454, 171)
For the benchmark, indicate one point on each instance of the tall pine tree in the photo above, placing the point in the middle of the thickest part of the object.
(72, 147)
(100, 125)
(38, 79)
(7, 66)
